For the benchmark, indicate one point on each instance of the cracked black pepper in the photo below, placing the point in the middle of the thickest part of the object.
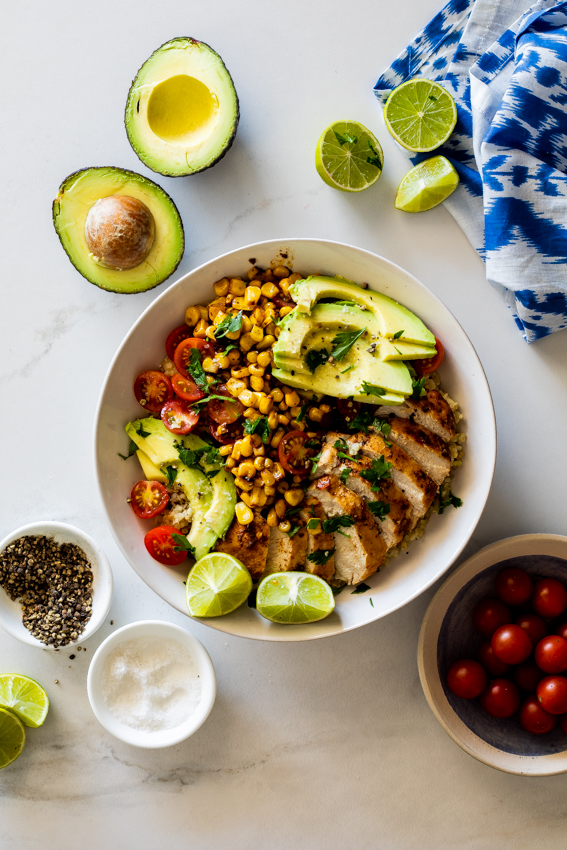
(53, 583)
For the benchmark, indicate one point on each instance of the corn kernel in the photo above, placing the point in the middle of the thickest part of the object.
(255, 369)
(224, 451)
(230, 461)
(243, 513)
(246, 469)
(258, 316)
(246, 342)
(239, 372)
(284, 311)
(259, 462)
(237, 286)
(252, 295)
(257, 333)
(269, 463)
(221, 286)
(277, 332)
(218, 318)
(277, 395)
(268, 341)
(280, 508)
(242, 484)
(265, 405)
(272, 518)
(248, 398)
(252, 356)
(250, 413)
(246, 449)
(201, 329)
(223, 361)
(233, 356)
(246, 325)
(245, 497)
(294, 497)
(267, 477)
(292, 399)
(284, 285)
(315, 414)
(239, 303)
(192, 316)
(257, 384)
(210, 365)
(283, 420)
(260, 451)
(280, 271)
(264, 359)
(325, 408)
(269, 491)
(216, 306)
(256, 440)
(285, 525)
(235, 387)
(295, 411)
(210, 333)
(254, 272)
(269, 290)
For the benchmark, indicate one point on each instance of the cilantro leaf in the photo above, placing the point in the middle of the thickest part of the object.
(293, 530)
(132, 449)
(345, 138)
(229, 325)
(260, 426)
(379, 469)
(182, 544)
(193, 457)
(303, 411)
(450, 502)
(344, 475)
(398, 334)
(372, 389)
(361, 588)
(418, 388)
(320, 556)
(337, 590)
(375, 158)
(316, 357)
(171, 473)
(196, 370)
(383, 427)
(362, 420)
(140, 431)
(371, 602)
(379, 509)
(343, 343)
(348, 369)
(335, 523)
(313, 523)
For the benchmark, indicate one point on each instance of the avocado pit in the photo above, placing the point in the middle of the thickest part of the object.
(119, 232)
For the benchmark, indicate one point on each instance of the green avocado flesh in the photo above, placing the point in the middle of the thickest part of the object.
(212, 500)
(312, 331)
(182, 109)
(81, 190)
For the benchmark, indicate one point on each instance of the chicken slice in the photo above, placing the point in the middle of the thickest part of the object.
(286, 553)
(427, 449)
(317, 540)
(395, 525)
(359, 550)
(404, 411)
(248, 543)
(433, 412)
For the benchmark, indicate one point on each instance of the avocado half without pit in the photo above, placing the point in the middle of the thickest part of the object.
(182, 109)
(120, 230)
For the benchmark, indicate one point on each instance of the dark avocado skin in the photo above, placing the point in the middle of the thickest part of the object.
(55, 210)
(230, 140)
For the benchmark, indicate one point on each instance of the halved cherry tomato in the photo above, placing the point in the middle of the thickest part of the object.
(153, 390)
(226, 434)
(426, 367)
(161, 545)
(178, 417)
(175, 337)
(182, 353)
(186, 388)
(293, 454)
(347, 409)
(224, 412)
(148, 499)
(280, 301)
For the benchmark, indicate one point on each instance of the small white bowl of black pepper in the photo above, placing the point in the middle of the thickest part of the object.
(55, 585)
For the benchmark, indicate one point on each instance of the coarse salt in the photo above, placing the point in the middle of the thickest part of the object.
(151, 684)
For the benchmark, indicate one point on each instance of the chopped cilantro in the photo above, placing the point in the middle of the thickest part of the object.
(362, 420)
(140, 431)
(314, 461)
(372, 389)
(361, 588)
(344, 475)
(383, 427)
(293, 530)
(342, 449)
(171, 473)
(230, 324)
(320, 556)
(397, 335)
(371, 602)
(315, 358)
(345, 138)
(293, 511)
(313, 523)
(375, 158)
(196, 370)
(348, 369)
(132, 449)
(379, 469)
(193, 457)
(259, 426)
(302, 412)
(182, 544)
(450, 502)
(335, 523)
(343, 342)
(379, 509)
(418, 388)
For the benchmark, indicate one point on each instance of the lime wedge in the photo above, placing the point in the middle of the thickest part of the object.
(427, 185)
(348, 157)
(25, 698)
(294, 598)
(12, 737)
(217, 585)
(420, 115)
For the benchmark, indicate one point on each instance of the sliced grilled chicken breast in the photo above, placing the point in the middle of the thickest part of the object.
(360, 550)
(286, 553)
(317, 540)
(248, 543)
(404, 411)
(433, 412)
(427, 449)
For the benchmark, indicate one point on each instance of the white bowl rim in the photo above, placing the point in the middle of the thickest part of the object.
(169, 737)
(104, 589)
(488, 556)
(293, 634)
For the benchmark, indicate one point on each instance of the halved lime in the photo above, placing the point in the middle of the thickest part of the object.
(294, 598)
(427, 185)
(12, 737)
(25, 698)
(420, 115)
(348, 157)
(217, 585)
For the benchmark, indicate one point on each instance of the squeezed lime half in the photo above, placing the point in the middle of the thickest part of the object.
(348, 156)
(420, 115)
(12, 737)
(217, 585)
(427, 185)
(294, 597)
(25, 698)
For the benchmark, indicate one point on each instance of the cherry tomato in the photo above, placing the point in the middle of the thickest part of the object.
(431, 364)
(293, 454)
(514, 586)
(178, 417)
(161, 545)
(148, 499)
(492, 664)
(552, 694)
(533, 625)
(226, 434)
(182, 354)
(534, 718)
(175, 337)
(347, 409)
(551, 654)
(152, 390)
(186, 388)
(280, 301)
(549, 598)
(501, 698)
(489, 615)
(224, 412)
(527, 675)
(561, 630)
(511, 644)
(467, 679)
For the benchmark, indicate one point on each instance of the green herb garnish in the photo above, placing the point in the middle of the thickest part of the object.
(379, 509)
(132, 449)
(397, 335)
(362, 420)
(315, 358)
(379, 469)
(334, 524)
(450, 502)
(344, 475)
(372, 389)
(321, 556)
(343, 343)
(171, 474)
(182, 544)
(229, 325)
(259, 426)
(313, 523)
(293, 530)
(361, 588)
(302, 412)
(196, 370)
(418, 388)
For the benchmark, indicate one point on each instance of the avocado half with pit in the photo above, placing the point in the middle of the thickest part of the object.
(120, 230)
(182, 109)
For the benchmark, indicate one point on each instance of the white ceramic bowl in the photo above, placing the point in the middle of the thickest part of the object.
(447, 635)
(166, 737)
(463, 377)
(103, 584)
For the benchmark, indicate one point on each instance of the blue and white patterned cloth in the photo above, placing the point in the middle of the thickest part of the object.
(506, 66)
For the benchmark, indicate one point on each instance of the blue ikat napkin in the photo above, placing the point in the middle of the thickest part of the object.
(505, 63)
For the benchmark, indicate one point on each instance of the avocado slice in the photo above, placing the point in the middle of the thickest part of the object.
(392, 317)
(182, 109)
(149, 468)
(77, 196)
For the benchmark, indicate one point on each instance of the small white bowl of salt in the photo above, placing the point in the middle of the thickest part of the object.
(151, 684)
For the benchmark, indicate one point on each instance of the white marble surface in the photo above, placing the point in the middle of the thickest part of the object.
(321, 745)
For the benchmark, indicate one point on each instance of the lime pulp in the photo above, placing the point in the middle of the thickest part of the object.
(25, 698)
(427, 185)
(294, 597)
(420, 115)
(348, 156)
(12, 737)
(217, 585)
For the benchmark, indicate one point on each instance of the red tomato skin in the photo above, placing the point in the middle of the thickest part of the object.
(552, 694)
(207, 349)
(527, 676)
(154, 389)
(224, 413)
(186, 388)
(492, 664)
(549, 598)
(533, 625)
(178, 417)
(534, 718)
(551, 654)
(489, 614)
(466, 678)
(285, 455)
(160, 545)
(229, 434)
(511, 644)
(152, 492)
(514, 586)
(561, 630)
(174, 338)
(501, 698)
(431, 364)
